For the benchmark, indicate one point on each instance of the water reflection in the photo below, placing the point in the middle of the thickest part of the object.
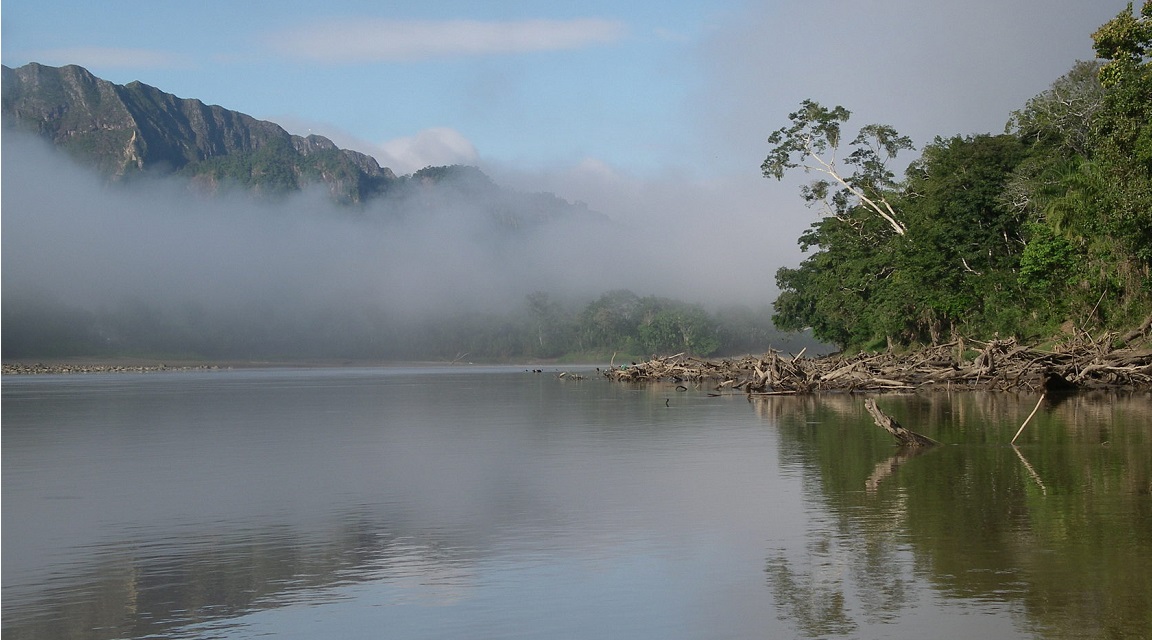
(1058, 529)
(812, 595)
(140, 588)
(197, 505)
(501, 505)
(885, 468)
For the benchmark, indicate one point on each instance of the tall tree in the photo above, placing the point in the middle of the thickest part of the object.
(1063, 116)
(1125, 126)
(813, 142)
(965, 243)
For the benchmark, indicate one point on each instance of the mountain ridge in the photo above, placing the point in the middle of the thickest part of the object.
(127, 130)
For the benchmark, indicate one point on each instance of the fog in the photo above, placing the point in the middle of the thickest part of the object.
(231, 274)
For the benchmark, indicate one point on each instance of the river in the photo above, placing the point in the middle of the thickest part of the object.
(493, 502)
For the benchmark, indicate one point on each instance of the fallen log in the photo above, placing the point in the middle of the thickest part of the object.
(905, 437)
(1139, 332)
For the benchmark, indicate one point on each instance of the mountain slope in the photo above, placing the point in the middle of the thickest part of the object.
(127, 130)
(132, 130)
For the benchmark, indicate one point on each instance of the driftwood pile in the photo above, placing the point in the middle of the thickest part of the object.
(1082, 362)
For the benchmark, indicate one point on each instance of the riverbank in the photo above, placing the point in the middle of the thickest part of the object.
(999, 365)
(110, 364)
(59, 368)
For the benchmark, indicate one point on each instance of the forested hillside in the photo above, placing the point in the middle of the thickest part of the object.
(1046, 227)
(238, 277)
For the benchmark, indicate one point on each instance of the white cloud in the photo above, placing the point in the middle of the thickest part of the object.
(713, 241)
(380, 40)
(430, 147)
(435, 146)
(108, 57)
(595, 168)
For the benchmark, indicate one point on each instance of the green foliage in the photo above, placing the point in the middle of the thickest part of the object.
(963, 239)
(815, 130)
(552, 326)
(128, 131)
(1049, 266)
(1124, 146)
(544, 327)
(1062, 117)
(668, 326)
(1125, 41)
(813, 141)
(866, 287)
(611, 321)
(833, 291)
(1011, 234)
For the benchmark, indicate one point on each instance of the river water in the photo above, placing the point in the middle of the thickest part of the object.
(492, 502)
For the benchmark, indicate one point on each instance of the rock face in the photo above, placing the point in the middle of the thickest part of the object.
(128, 130)
(134, 130)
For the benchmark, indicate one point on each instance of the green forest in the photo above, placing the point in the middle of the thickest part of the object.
(618, 324)
(1040, 230)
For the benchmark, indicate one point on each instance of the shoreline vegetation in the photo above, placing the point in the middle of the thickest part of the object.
(1021, 233)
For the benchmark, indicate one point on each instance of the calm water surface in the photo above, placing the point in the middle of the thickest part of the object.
(496, 503)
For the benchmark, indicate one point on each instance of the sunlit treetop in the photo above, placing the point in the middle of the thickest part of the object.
(1126, 41)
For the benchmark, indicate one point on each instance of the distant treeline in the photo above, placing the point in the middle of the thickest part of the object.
(1046, 227)
(619, 323)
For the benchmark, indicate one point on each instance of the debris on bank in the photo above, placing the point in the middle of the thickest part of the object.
(1080, 363)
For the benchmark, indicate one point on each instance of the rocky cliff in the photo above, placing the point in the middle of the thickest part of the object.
(128, 130)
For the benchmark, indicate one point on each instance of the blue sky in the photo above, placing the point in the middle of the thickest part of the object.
(523, 81)
(638, 85)
(655, 113)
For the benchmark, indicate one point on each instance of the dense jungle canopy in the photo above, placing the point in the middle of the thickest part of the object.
(1042, 228)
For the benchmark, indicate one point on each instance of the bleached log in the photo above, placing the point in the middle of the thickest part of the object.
(905, 437)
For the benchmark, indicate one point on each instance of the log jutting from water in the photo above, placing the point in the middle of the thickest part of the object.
(1079, 363)
(905, 437)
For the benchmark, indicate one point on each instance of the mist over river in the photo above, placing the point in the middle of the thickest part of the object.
(492, 502)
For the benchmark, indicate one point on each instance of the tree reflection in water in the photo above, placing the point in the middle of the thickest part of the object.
(813, 595)
(1058, 528)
